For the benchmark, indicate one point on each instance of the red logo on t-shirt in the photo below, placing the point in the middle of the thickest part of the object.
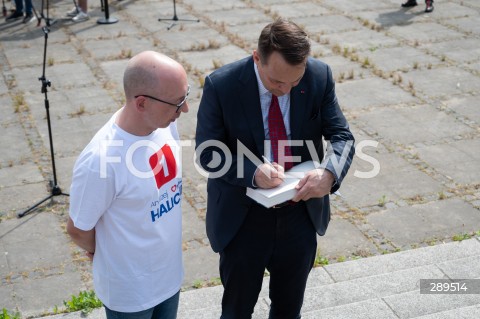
(163, 165)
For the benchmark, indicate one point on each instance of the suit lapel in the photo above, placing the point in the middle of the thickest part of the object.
(248, 96)
(298, 109)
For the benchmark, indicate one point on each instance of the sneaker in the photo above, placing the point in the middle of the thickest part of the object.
(428, 6)
(29, 18)
(14, 16)
(72, 13)
(81, 16)
(409, 3)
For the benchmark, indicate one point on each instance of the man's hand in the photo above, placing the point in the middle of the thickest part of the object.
(315, 183)
(269, 175)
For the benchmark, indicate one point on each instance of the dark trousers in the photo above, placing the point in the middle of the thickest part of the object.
(284, 242)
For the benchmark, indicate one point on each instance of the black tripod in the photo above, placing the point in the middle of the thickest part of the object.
(48, 21)
(55, 189)
(175, 18)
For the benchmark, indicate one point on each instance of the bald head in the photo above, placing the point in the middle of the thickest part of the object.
(151, 73)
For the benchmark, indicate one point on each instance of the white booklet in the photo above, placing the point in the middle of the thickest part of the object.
(285, 191)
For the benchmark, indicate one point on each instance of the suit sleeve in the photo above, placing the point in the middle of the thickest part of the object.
(340, 141)
(216, 153)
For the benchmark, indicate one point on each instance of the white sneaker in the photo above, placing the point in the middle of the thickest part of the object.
(81, 16)
(72, 13)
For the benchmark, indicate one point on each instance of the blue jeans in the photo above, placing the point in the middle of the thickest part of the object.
(165, 310)
(19, 6)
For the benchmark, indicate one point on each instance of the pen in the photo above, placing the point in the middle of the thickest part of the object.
(266, 161)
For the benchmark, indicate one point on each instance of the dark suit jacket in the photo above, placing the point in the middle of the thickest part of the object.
(230, 112)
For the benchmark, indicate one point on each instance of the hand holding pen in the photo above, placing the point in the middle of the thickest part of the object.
(268, 174)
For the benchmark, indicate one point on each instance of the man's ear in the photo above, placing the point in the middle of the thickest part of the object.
(256, 57)
(140, 103)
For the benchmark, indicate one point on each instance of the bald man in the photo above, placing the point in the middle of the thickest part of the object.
(125, 198)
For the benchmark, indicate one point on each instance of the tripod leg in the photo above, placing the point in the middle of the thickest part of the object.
(34, 206)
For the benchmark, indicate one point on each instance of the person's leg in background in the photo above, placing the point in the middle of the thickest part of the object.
(18, 13)
(29, 17)
(82, 14)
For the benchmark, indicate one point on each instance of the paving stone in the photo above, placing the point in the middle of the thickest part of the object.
(59, 288)
(238, 16)
(204, 60)
(25, 174)
(465, 106)
(464, 268)
(299, 10)
(350, 97)
(449, 81)
(424, 123)
(15, 199)
(355, 7)
(469, 24)
(200, 264)
(413, 304)
(386, 185)
(459, 50)
(422, 222)
(425, 33)
(461, 156)
(403, 260)
(353, 241)
(373, 308)
(460, 312)
(361, 40)
(207, 6)
(398, 59)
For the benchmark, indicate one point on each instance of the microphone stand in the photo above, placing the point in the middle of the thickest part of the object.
(175, 18)
(55, 190)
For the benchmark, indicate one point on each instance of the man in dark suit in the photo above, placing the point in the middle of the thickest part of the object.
(279, 93)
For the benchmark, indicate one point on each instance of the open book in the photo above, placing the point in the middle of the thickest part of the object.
(285, 191)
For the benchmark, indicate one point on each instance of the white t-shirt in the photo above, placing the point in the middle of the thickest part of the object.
(129, 189)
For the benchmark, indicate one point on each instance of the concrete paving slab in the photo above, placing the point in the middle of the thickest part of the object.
(345, 70)
(381, 92)
(419, 223)
(403, 260)
(25, 174)
(17, 198)
(354, 6)
(424, 122)
(459, 50)
(208, 6)
(464, 106)
(469, 24)
(463, 312)
(464, 268)
(449, 81)
(413, 304)
(210, 59)
(200, 264)
(352, 243)
(299, 10)
(59, 288)
(238, 16)
(390, 183)
(425, 32)
(400, 59)
(461, 156)
(361, 40)
(16, 153)
(368, 309)
(362, 289)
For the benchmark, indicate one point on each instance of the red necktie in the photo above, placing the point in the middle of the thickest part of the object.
(277, 131)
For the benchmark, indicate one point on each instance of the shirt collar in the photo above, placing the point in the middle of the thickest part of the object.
(261, 88)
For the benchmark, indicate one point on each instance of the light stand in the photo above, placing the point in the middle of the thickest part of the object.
(48, 21)
(55, 189)
(175, 18)
(108, 19)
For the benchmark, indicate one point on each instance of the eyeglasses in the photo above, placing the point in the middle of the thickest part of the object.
(178, 106)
